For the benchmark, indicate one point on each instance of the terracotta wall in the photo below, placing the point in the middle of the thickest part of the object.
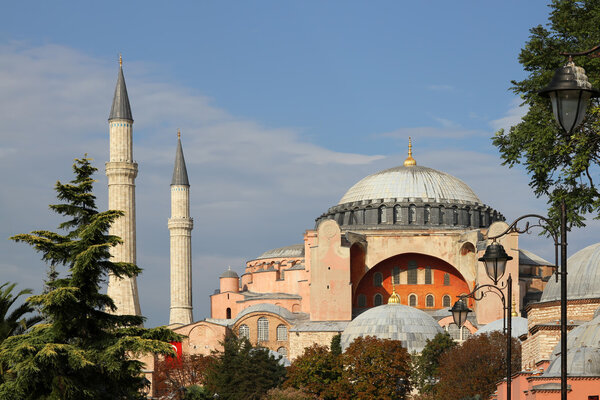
(439, 268)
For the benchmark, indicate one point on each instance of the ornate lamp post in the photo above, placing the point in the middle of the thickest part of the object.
(495, 259)
(570, 93)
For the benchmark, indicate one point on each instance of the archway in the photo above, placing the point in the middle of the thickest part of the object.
(429, 280)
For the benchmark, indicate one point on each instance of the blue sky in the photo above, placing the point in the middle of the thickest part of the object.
(282, 107)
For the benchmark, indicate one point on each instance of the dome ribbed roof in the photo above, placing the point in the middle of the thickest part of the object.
(393, 321)
(584, 275)
(411, 182)
(295, 250)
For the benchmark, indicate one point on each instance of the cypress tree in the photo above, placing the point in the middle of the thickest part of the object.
(81, 351)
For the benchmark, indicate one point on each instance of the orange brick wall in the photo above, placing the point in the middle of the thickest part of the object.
(439, 268)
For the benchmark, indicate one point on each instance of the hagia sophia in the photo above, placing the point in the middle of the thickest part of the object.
(388, 260)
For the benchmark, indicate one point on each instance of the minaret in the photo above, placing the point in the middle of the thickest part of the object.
(121, 171)
(180, 228)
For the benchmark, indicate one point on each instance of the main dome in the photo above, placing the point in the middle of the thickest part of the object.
(411, 182)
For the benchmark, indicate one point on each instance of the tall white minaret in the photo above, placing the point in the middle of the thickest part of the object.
(121, 171)
(180, 228)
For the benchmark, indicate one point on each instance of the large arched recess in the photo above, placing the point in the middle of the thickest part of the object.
(437, 288)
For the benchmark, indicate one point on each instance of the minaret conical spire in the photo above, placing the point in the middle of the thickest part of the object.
(180, 176)
(120, 107)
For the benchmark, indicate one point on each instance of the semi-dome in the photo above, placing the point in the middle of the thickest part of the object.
(393, 321)
(584, 275)
(411, 182)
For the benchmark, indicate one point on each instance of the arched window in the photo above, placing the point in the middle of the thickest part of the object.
(428, 276)
(382, 216)
(446, 301)
(412, 214)
(455, 215)
(244, 331)
(282, 332)
(362, 300)
(228, 312)
(263, 329)
(412, 273)
(397, 214)
(396, 276)
(283, 351)
(468, 216)
(412, 300)
(351, 218)
(377, 279)
(446, 279)
(441, 216)
(378, 300)
(429, 301)
(453, 331)
(427, 214)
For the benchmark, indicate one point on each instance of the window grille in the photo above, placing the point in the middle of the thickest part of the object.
(429, 301)
(378, 300)
(412, 300)
(282, 332)
(446, 301)
(446, 279)
(244, 331)
(263, 329)
(377, 279)
(396, 276)
(412, 273)
(428, 276)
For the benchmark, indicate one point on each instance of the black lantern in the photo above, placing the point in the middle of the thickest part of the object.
(460, 311)
(570, 93)
(495, 259)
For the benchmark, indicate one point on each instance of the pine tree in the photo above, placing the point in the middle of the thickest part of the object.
(243, 372)
(82, 351)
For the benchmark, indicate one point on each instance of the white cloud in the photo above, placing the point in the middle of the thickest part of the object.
(253, 187)
(513, 116)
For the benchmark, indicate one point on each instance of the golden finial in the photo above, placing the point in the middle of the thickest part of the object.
(179, 137)
(514, 312)
(394, 298)
(120, 60)
(410, 161)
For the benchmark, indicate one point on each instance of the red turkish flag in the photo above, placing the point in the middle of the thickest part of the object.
(177, 346)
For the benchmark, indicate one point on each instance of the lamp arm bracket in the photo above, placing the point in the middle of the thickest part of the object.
(583, 53)
(480, 291)
(542, 222)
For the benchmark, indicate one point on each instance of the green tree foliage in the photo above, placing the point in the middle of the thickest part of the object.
(317, 371)
(14, 322)
(241, 371)
(375, 369)
(426, 365)
(336, 345)
(561, 167)
(474, 367)
(196, 392)
(81, 351)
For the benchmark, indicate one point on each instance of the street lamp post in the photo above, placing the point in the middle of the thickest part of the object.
(570, 93)
(495, 259)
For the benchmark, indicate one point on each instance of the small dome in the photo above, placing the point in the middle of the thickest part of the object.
(393, 321)
(411, 182)
(584, 275)
(585, 335)
(518, 327)
(293, 251)
(229, 274)
(581, 361)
